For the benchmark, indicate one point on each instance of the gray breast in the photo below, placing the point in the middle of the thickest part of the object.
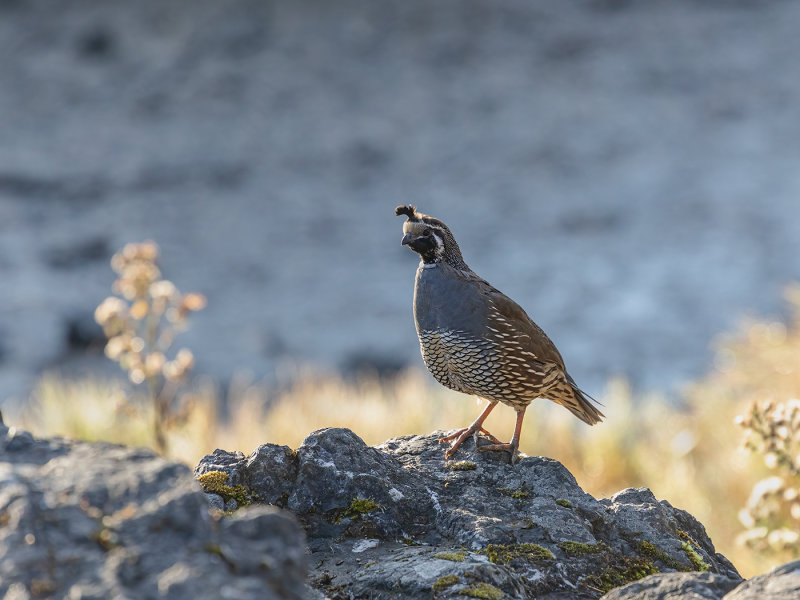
(444, 300)
(450, 319)
(460, 349)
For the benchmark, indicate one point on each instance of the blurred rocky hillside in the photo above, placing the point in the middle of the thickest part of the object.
(625, 170)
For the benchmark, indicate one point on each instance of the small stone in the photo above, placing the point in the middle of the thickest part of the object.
(215, 501)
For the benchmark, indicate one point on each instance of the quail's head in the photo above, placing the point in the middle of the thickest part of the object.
(429, 237)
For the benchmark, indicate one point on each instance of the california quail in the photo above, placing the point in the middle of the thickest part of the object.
(476, 340)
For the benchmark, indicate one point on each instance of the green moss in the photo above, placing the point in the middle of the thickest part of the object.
(564, 503)
(580, 549)
(445, 582)
(502, 554)
(216, 482)
(625, 571)
(357, 508)
(213, 549)
(409, 541)
(454, 556)
(463, 465)
(516, 494)
(688, 538)
(690, 548)
(655, 553)
(482, 590)
(362, 506)
(694, 557)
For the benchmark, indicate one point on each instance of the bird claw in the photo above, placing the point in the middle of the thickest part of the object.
(500, 447)
(459, 436)
(452, 436)
(462, 434)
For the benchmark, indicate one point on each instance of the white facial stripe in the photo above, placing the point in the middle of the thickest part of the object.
(439, 243)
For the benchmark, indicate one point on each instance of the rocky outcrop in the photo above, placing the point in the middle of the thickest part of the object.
(81, 520)
(97, 521)
(398, 521)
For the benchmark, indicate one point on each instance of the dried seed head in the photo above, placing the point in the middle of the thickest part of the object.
(153, 364)
(109, 309)
(163, 289)
(116, 346)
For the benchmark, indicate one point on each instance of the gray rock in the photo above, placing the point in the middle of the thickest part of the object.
(216, 501)
(667, 586)
(267, 469)
(397, 521)
(782, 583)
(80, 520)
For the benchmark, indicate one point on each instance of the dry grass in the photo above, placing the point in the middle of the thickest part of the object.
(690, 454)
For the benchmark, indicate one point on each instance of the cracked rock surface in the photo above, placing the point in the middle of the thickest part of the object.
(94, 520)
(397, 521)
(98, 521)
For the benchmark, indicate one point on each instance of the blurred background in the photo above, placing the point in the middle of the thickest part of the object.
(626, 170)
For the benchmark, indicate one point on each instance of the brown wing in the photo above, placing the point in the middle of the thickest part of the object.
(530, 362)
(510, 318)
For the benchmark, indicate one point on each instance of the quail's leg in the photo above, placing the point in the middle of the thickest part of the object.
(513, 445)
(463, 434)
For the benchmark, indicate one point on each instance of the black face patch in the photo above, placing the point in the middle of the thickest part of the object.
(427, 247)
(430, 238)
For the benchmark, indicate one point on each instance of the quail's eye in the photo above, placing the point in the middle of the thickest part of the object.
(426, 232)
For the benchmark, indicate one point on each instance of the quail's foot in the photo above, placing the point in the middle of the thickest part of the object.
(462, 434)
(513, 445)
(500, 447)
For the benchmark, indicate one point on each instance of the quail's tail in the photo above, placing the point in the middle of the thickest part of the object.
(583, 405)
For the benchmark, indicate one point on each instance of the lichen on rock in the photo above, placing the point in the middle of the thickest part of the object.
(528, 530)
(454, 556)
(501, 554)
(482, 590)
(444, 582)
(215, 482)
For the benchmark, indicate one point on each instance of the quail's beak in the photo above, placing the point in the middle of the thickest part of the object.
(406, 239)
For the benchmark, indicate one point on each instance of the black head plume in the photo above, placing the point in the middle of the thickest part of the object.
(408, 210)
